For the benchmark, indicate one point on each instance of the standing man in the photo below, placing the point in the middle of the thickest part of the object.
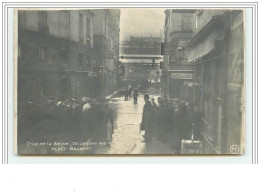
(135, 95)
(196, 120)
(183, 126)
(147, 119)
(154, 103)
(130, 89)
(126, 94)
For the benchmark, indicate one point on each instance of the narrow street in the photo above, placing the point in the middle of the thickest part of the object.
(68, 100)
(127, 138)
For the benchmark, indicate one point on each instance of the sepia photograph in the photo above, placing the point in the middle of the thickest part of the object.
(129, 81)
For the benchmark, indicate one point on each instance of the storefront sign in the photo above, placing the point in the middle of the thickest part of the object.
(181, 76)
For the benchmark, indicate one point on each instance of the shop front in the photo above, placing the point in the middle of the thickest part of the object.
(178, 84)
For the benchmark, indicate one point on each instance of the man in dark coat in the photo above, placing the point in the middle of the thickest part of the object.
(196, 120)
(183, 126)
(154, 103)
(126, 93)
(130, 92)
(135, 95)
(147, 119)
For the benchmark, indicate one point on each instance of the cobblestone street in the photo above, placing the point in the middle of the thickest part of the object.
(127, 138)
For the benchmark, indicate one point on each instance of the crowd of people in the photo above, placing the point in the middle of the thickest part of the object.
(66, 119)
(170, 121)
(164, 120)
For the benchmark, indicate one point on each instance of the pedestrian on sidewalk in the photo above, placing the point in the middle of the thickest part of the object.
(130, 92)
(135, 95)
(183, 126)
(147, 119)
(158, 120)
(171, 121)
(196, 120)
(154, 103)
(126, 94)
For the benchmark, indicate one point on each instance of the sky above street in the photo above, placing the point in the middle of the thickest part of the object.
(141, 21)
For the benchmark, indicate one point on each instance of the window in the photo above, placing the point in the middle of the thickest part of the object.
(42, 20)
(88, 30)
(81, 39)
(42, 54)
(64, 23)
(80, 61)
(105, 26)
(186, 21)
(196, 26)
(112, 44)
(88, 63)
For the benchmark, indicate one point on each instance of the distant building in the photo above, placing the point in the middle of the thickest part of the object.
(141, 45)
(141, 58)
(139, 68)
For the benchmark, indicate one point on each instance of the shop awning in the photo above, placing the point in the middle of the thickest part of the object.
(202, 48)
(204, 41)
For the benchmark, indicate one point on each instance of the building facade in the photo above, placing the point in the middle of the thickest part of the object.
(179, 29)
(54, 53)
(217, 53)
(57, 53)
(106, 48)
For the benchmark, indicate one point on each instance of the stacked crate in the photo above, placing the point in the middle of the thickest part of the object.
(191, 147)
